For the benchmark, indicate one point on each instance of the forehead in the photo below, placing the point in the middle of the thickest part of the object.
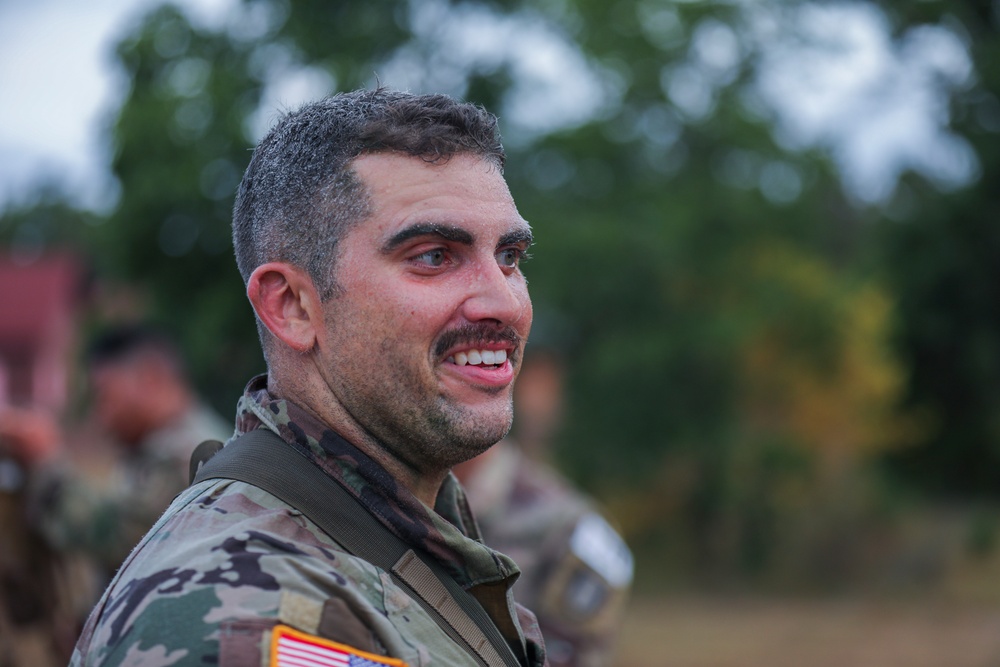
(465, 191)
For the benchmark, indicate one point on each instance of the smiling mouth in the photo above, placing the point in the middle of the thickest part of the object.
(479, 358)
(479, 345)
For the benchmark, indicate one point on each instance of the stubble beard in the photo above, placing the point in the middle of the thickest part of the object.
(416, 424)
(439, 435)
(466, 434)
(407, 415)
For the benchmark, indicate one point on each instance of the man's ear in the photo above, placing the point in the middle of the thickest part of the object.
(287, 302)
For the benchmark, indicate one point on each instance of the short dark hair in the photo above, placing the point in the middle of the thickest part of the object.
(299, 195)
(123, 342)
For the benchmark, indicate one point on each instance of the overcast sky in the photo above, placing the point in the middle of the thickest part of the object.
(873, 103)
(56, 86)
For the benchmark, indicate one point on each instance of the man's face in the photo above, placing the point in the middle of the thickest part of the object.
(425, 334)
(117, 390)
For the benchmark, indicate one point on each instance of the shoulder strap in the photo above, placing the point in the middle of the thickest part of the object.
(261, 458)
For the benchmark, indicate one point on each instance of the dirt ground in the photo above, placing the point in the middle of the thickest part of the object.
(696, 631)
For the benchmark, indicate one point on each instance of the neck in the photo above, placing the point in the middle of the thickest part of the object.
(423, 484)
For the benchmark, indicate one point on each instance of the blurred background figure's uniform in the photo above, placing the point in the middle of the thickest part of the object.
(73, 501)
(45, 593)
(142, 399)
(576, 572)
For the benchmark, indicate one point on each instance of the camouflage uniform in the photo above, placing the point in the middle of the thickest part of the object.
(44, 594)
(107, 519)
(576, 570)
(228, 562)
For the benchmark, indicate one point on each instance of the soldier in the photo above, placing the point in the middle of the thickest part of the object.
(576, 572)
(45, 594)
(380, 248)
(143, 401)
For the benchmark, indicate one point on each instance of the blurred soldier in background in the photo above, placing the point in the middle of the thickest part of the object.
(44, 593)
(55, 493)
(576, 572)
(142, 399)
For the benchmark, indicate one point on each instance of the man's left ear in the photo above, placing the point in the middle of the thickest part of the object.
(287, 302)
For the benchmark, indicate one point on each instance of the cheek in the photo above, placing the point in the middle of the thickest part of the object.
(415, 310)
(370, 327)
(527, 312)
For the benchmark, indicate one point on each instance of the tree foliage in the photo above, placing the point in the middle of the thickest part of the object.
(744, 339)
(943, 263)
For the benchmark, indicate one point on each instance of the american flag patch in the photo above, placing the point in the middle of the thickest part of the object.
(291, 648)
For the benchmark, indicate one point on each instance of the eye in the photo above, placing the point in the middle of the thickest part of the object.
(509, 258)
(435, 257)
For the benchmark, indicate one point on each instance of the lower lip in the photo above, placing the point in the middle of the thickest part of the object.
(488, 376)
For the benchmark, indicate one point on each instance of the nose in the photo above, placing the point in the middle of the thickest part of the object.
(499, 296)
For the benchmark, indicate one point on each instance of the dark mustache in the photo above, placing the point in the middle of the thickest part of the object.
(477, 335)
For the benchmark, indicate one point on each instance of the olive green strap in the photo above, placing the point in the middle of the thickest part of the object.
(261, 458)
(422, 580)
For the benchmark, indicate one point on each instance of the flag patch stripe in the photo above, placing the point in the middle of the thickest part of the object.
(292, 648)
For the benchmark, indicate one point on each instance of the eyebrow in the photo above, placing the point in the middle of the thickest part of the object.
(447, 232)
(522, 236)
(450, 233)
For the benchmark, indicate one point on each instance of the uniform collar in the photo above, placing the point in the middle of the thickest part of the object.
(447, 532)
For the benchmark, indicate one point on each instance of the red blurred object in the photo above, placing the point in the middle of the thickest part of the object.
(38, 303)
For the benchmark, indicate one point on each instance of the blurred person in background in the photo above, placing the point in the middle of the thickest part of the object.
(45, 593)
(576, 572)
(143, 401)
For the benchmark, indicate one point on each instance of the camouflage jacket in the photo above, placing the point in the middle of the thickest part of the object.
(576, 570)
(230, 567)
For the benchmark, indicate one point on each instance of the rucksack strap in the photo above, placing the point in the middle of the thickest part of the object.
(261, 458)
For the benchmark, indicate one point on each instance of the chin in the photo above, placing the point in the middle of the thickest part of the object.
(484, 436)
(462, 434)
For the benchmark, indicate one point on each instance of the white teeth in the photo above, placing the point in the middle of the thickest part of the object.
(477, 357)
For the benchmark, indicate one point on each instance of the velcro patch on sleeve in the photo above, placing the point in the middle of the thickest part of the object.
(292, 648)
(597, 544)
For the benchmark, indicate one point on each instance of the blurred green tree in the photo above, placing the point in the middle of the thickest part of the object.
(730, 360)
(943, 262)
(179, 148)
